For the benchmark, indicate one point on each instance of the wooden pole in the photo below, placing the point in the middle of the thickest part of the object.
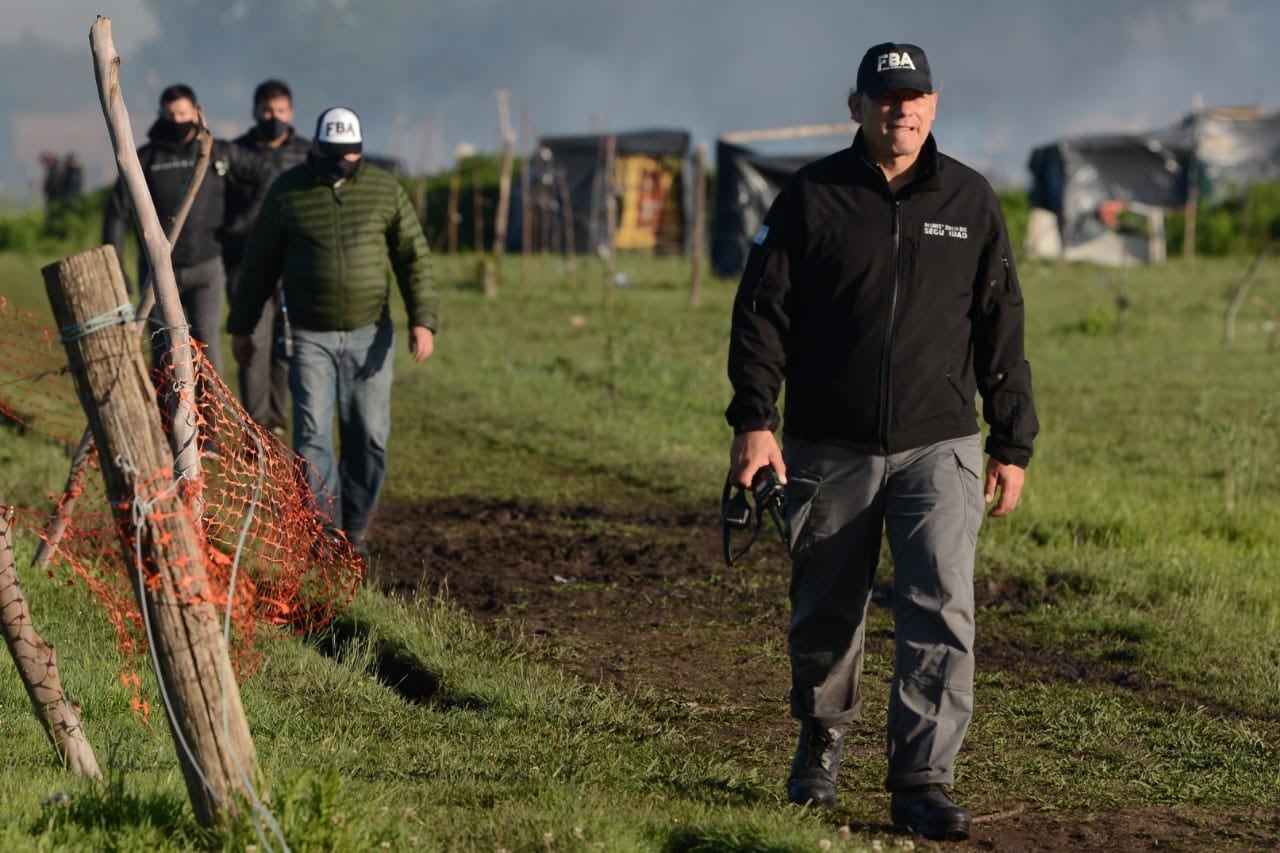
(455, 186)
(526, 196)
(1242, 291)
(106, 66)
(610, 215)
(420, 173)
(166, 547)
(38, 666)
(566, 209)
(504, 178)
(486, 268)
(477, 210)
(56, 526)
(1193, 204)
(698, 227)
(796, 132)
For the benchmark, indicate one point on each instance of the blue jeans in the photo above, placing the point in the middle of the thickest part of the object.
(350, 371)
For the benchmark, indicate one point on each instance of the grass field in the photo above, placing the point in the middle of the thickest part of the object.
(1146, 546)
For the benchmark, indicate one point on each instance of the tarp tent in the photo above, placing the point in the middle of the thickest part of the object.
(1220, 152)
(652, 181)
(746, 184)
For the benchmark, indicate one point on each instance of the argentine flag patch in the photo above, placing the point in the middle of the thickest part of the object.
(761, 235)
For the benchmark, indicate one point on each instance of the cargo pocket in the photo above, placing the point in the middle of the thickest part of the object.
(971, 488)
(802, 491)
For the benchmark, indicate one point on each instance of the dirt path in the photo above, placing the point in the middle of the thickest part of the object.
(642, 601)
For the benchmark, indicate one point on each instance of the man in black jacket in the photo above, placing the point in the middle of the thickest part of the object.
(264, 381)
(168, 161)
(881, 288)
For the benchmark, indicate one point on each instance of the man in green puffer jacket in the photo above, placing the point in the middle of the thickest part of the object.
(336, 230)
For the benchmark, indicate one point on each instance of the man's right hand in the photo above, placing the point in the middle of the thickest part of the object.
(752, 451)
(242, 348)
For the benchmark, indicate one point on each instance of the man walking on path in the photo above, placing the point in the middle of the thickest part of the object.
(881, 288)
(168, 161)
(336, 230)
(264, 382)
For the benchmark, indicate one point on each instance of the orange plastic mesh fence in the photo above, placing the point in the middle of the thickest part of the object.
(252, 511)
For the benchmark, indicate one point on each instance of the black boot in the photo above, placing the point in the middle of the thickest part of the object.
(929, 811)
(813, 772)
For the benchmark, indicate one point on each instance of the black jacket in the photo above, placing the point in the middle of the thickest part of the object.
(884, 313)
(168, 168)
(243, 201)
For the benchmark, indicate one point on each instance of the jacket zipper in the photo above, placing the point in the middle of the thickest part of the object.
(886, 359)
(342, 255)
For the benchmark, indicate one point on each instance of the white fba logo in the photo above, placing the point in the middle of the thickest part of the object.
(894, 62)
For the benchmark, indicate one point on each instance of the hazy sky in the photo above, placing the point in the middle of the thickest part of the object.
(1013, 73)
(67, 21)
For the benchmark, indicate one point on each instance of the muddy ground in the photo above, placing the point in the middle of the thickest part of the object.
(640, 600)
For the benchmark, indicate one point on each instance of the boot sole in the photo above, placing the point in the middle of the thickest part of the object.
(958, 831)
(808, 797)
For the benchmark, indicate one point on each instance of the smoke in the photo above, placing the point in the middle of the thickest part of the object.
(1012, 74)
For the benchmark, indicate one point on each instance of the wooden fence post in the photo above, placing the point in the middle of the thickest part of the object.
(165, 547)
(38, 666)
(699, 227)
(526, 194)
(610, 216)
(504, 179)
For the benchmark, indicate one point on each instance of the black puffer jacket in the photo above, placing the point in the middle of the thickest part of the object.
(885, 313)
(168, 168)
(243, 201)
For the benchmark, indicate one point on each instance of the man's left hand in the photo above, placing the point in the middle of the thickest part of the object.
(421, 343)
(1006, 478)
(242, 348)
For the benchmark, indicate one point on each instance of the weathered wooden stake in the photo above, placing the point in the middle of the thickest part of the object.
(503, 212)
(526, 194)
(698, 230)
(566, 209)
(106, 66)
(38, 666)
(112, 381)
(455, 186)
(610, 216)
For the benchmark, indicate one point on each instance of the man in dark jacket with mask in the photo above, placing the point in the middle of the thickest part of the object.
(882, 289)
(337, 230)
(168, 161)
(264, 382)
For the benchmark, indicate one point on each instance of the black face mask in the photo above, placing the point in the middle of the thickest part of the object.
(168, 130)
(335, 168)
(270, 129)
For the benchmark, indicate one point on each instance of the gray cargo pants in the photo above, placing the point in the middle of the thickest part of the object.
(264, 381)
(928, 503)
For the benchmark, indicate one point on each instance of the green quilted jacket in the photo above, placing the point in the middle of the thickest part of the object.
(336, 248)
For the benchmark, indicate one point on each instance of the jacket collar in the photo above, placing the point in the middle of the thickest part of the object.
(327, 180)
(928, 165)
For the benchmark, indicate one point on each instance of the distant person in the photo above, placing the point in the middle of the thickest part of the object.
(72, 178)
(337, 229)
(264, 381)
(881, 290)
(168, 161)
(61, 186)
(53, 180)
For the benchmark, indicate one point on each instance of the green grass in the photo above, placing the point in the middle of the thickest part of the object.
(1147, 536)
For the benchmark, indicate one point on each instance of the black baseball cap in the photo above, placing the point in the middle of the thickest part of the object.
(889, 66)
